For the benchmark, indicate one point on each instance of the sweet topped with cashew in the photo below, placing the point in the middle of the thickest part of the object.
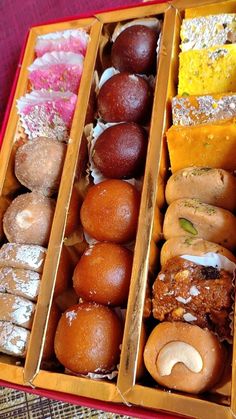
(173, 353)
(184, 357)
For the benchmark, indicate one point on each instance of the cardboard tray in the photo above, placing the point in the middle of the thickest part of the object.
(127, 390)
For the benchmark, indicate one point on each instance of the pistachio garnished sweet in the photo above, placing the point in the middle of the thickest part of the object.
(186, 225)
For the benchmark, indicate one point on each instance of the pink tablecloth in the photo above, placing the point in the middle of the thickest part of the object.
(16, 16)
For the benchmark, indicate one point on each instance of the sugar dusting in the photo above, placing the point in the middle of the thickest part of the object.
(24, 219)
(21, 282)
(32, 255)
(13, 339)
(16, 309)
(70, 316)
(22, 256)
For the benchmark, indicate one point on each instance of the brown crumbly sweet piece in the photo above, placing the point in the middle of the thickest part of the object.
(21, 282)
(28, 219)
(39, 164)
(23, 256)
(185, 291)
(13, 339)
(16, 310)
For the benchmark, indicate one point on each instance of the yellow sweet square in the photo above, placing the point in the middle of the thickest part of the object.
(206, 71)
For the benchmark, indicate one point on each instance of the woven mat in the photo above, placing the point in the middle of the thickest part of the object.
(20, 405)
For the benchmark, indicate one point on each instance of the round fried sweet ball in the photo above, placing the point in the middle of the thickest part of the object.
(103, 274)
(88, 337)
(134, 50)
(110, 211)
(28, 219)
(39, 164)
(120, 151)
(125, 97)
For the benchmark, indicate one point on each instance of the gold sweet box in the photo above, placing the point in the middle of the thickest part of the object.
(133, 385)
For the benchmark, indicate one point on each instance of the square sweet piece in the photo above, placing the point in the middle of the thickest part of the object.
(208, 31)
(207, 71)
(194, 110)
(212, 145)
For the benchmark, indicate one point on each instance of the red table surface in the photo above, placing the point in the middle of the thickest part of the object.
(16, 17)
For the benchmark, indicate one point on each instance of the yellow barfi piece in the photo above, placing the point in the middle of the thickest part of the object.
(203, 145)
(207, 71)
(193, 110)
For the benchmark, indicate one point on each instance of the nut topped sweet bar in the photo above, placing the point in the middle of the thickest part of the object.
(194, 110)
(208, 31)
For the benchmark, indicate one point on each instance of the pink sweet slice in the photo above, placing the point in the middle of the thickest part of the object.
(58, 71)
(47, 114)
(72, 40)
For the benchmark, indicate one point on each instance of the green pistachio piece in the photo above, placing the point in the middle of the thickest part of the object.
(186, 225)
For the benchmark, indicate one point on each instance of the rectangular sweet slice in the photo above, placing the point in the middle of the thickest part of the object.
(207, 71)
(208, 31)
(16, 310)
(193, 110)
(203, 145)
(21, 282)
(13, 339)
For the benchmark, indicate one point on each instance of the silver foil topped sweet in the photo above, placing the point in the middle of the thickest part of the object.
(194, 110)
(25, 256)
(13, 339)
(208, 31)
